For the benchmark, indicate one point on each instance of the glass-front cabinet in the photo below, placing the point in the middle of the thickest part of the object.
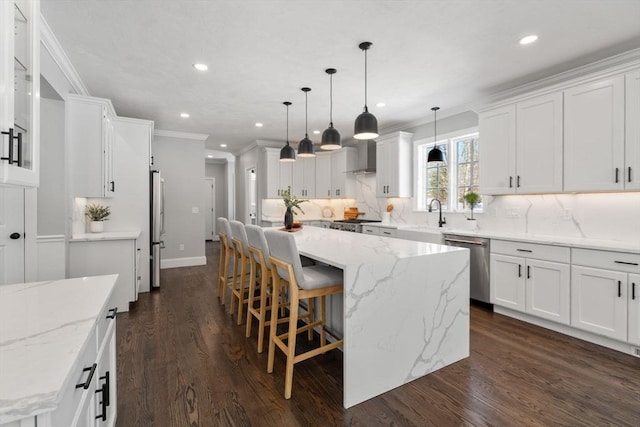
(19, 92)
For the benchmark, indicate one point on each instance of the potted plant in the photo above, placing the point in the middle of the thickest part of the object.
(290, 203)
(97, 214)
(472, 199)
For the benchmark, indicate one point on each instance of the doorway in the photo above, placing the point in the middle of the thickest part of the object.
(11, 235)
(251, 196)
(210, 209)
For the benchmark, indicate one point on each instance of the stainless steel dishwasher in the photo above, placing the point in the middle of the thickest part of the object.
(479, 249)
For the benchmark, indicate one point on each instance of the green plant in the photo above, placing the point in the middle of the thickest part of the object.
(472, 199)
(97, 212)
(291, 201)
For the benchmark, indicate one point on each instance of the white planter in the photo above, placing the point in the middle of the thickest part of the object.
(96, 226)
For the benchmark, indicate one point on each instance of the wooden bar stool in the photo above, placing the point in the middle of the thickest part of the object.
(302, 283)
(241, 268)
(225, 266)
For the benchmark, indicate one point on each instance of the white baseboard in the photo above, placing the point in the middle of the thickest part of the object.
(183, 262)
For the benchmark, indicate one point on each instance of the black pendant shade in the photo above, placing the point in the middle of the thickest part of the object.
(366, 125)
(435, 155)
(305, 147)
(331, 137)
(287, 154)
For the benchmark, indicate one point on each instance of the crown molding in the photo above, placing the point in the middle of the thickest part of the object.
(51, 43)
(181, 135)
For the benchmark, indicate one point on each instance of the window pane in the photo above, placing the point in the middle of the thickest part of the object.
(463, 174)
(475, 150)
(464, 154)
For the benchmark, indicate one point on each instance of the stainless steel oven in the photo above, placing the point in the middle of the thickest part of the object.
(352, 225)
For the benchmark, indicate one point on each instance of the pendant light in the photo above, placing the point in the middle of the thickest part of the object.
(435, 155)
(331, 136)
(287, 154)
(366, 126)
(305, 147)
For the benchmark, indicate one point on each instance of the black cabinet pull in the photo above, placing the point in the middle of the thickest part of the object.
(626, 263)
(510, 182)
(113, 186)
(633, 290)
(112, 313)
(629, 174)
(92, 370)
(519, 270)
(528, 272)
(104, 391)
(9, 157)
(617, 174)
(151, 160)
(518, 181)
(19, 161)
(329, 193)
(524, 250)
(619, 289)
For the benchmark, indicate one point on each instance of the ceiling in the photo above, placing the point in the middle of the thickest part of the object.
(450, 53)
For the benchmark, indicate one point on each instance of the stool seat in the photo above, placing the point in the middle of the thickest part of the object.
(320, 276)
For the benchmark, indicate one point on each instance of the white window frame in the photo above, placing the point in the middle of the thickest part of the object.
(448, 139)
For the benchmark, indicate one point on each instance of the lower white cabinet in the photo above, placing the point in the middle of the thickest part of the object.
(604, 287)
(97, 257)
(379, 231)
(531, 278)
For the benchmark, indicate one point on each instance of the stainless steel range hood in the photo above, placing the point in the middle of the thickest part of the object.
(366, 151)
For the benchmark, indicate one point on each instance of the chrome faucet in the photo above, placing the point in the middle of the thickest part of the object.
(441, 221)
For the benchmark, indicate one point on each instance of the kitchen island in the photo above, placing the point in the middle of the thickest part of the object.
(405, 309)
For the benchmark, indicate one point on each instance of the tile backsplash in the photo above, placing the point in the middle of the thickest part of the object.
(608, 216)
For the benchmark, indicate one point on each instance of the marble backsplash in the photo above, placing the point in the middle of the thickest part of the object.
(608, 216)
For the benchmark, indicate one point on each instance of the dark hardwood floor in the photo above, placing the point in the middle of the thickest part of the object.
(183, 361)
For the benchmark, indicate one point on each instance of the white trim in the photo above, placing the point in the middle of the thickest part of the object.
(182, 135)
(51, 43)
(50, 238)
(183, 262)
(92, 100)
(134, 121)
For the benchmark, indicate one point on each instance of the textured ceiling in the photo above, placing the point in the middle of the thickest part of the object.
(451, 53)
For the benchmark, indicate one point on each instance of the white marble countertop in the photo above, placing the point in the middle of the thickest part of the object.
(43, 328)
(342, 249)
(108, 235)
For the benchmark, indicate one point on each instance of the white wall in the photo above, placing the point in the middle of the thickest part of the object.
(218, 171)
(180, 162)
(246, 160)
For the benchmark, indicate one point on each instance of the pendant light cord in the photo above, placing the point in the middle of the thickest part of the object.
(306, 126)
(435, 132)
(365, 79)
(287, 125)
(331, 99)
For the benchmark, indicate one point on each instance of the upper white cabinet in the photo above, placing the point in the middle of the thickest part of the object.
(304, 177)
(323, 174)
(90, 135)
(342, 161)
(393, 165)
(521, 148)
(20, 83)
(632, 132)
(276, 175)
(594, 136)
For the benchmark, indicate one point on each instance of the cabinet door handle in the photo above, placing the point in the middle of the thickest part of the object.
(9, 157)
(329, 193)
(629, 174)
(633, 290)
(112, 313)
(510, 182)
(19, 161)
(519, 270)
(619, 289)
(617, 174)
(626, 263)
(104, 391)
(528, 272)
(113, 186)
(92, 370)
(518, 182)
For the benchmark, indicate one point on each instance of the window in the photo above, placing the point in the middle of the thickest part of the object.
(450, 182)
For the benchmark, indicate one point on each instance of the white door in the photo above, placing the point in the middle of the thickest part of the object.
(507, 281)
(11, 247)
(323, 175)
(632, 136)
(382, 168)
(497, 150)
(548, 290)
(634, 309)
(209, 207)
(599, 301)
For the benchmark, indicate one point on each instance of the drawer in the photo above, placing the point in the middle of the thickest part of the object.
(389, 232)
(72, 395)
(531, 250)
(370, 230)
(619, 261)
(104, 320)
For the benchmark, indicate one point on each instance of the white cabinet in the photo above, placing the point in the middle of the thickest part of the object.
(20, 86)
(604, 290)
(276, 175)
(631, 175)
(521, 148)
(393, 165)
(531, 278)
(323, 175)
(634, 309)
(342, 161)
(594, 116)
(90, 135)
(379, 231)
(304, 177)
(97, 257)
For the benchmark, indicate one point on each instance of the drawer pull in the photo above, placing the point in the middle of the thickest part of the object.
(626, 263)
(524, 250)
(112, 313)
(619, 289)
(92, 370)
(386, 232)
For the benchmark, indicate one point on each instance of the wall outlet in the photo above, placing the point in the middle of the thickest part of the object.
(181, 247)
(195, 210)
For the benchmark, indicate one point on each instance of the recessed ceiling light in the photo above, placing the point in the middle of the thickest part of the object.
(316, 132)
(381, 104)
(184, 115)
(210, 156)
(223, 145)
(528, 39)
(259, 125)
(200, 67)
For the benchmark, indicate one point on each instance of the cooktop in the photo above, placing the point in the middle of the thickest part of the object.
(356, 221)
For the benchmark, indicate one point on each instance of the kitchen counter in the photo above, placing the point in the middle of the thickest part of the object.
(109, 235)
(43, 328)
(405, 306)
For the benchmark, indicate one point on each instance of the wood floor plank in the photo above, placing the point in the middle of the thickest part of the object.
(183, 361)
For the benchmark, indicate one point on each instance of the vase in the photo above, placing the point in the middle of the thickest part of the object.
(288, 219)
(96, 226)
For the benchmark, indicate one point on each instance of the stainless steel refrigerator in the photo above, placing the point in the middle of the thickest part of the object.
(157, 225)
